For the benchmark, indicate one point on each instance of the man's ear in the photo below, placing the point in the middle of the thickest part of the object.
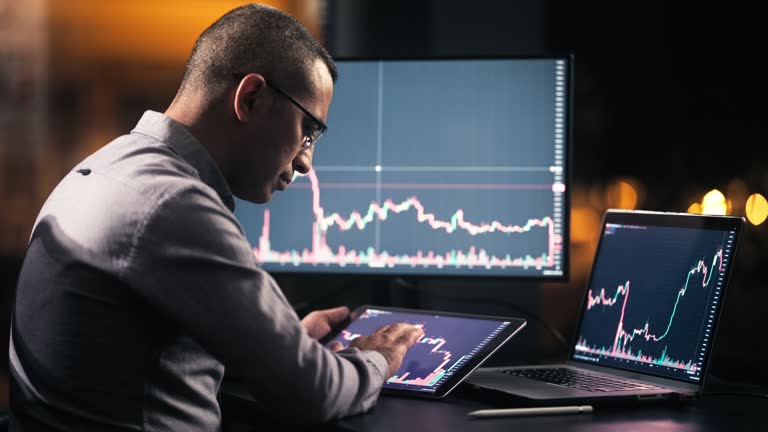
(250, 97)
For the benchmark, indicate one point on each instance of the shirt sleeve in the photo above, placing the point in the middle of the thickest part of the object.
(192, 263)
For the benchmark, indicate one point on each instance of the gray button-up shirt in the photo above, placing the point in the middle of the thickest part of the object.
(139, 288)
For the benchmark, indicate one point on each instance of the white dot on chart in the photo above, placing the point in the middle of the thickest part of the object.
(377, 168)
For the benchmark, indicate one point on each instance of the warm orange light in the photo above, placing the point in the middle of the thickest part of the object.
(737, 193)
(622, 194)
(695, 208)
(585, 224)
(596, 197)
(150, 31)
(714, 203)
(757, 209)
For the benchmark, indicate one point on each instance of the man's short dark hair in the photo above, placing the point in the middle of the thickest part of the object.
(254, 38)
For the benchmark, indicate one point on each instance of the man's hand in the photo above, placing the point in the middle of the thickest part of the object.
(319, 323)
(392, 341)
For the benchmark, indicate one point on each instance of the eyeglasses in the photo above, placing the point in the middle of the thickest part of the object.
(310, 136)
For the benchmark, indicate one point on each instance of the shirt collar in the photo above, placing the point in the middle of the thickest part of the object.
(182, 142)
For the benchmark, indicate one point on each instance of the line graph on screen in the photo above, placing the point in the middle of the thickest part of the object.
(319, 251)
(656, 342)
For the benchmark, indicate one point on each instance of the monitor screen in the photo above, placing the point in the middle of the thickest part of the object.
(430, 167)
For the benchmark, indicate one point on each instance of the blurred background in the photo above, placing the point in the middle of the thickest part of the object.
(668, 115)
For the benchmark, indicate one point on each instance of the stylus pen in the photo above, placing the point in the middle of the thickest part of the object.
(576, 409)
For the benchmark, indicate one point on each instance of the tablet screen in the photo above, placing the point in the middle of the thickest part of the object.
(453, 345)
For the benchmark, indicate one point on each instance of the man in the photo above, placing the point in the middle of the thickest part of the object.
(139, 288)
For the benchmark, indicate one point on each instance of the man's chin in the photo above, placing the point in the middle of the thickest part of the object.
(256, 197)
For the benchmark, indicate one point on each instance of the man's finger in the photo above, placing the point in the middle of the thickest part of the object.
(335, 346)
(398, 328)
(337, 314)
(413, 336)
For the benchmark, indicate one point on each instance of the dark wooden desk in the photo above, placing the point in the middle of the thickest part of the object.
(715, 413)
(402, 415)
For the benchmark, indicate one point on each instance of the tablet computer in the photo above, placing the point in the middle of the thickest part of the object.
(453, 345)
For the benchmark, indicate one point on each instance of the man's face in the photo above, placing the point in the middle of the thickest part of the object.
(273, 146)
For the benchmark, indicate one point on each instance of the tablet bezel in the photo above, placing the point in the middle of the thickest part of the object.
(515, 325)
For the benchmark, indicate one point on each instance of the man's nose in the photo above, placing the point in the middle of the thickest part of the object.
(302, 163)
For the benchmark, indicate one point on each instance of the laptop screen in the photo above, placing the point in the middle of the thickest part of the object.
(655, 292)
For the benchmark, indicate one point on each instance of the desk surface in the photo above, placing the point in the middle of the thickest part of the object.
(402, 415)
(715, 413)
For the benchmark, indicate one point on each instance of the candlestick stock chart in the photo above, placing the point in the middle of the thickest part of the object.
(653, 298)
(447, 344)
(412, 184)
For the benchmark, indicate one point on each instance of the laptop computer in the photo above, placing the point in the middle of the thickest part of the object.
(648, 317)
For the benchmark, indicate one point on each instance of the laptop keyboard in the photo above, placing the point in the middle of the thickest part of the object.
(578, 379)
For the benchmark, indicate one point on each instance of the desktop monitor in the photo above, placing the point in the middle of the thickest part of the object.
(431, 167)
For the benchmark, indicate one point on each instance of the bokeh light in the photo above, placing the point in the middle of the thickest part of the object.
(756, 209)
(585, 224)
(695, 208)
(622, 194)
(714, 203)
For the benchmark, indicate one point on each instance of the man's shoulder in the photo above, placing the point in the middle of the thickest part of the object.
(144, 164)
(123, 183)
